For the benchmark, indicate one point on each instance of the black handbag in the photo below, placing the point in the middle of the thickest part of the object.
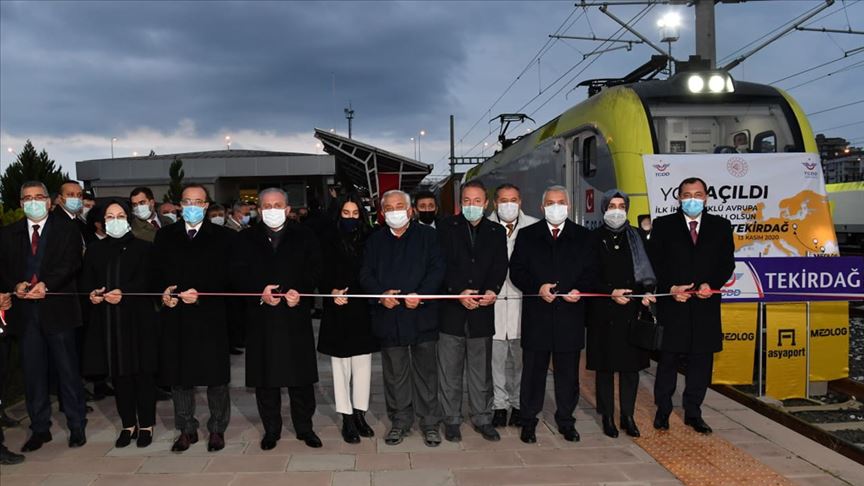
(644, 331)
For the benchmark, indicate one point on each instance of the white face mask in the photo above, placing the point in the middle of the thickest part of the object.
(508, 211)
(396, 219)
(615, 218)
(274, 217)
(142, 211)
(84, 211)
(555, 213)
(117, 228)
(218, 220)
(171, 216)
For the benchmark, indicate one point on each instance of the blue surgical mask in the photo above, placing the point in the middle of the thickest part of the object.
(73, 204)
(142, 211)
(117, 228)
(244, 219)
(35, 210)
(193, 214)
(472, 213)
(692, 207)
(171, 216)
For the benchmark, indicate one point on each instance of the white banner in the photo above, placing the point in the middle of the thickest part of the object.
(776, 203)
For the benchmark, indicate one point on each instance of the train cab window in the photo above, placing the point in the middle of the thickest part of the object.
(589, 157)
(721, 128)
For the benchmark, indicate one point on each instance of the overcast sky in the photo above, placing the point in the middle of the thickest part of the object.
(177, 77)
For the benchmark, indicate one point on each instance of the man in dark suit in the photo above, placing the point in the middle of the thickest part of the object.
(40, 253)
(147, 221)
(191, 258)
(7, 457)
(426, 208)
(71, 205)
(476, 253)
(692, 252)
(552, 258)
(274, 255)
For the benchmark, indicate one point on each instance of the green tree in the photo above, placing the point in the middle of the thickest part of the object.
(175, 187)
(30, 166)
(9, 216)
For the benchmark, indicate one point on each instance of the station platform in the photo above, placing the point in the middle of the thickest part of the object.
(745, 448)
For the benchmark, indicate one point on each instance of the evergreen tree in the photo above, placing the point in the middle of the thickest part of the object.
(175, 187)
(30, 166)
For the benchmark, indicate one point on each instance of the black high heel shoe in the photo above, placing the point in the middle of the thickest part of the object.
(609, 426)
(126, 437)
(629, 426)
(145, 437)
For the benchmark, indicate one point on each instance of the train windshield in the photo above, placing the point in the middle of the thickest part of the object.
(727, 128)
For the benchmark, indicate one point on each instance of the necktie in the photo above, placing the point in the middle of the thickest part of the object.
(34, 247)
(693, 234)
(154, 223)
(509, 229)
(192, 233)
(555, 232)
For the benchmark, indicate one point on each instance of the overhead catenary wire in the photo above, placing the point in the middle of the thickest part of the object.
(826, 110)
(832, 73)
(841, 126)
(846, 55)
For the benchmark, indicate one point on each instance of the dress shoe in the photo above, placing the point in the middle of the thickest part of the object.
(35, 441)
(698, 425)
(9, 458)
(349, 429)
(77, 438)
(487, 432)
(6, 421)
(145, 438)
(499, 417)
(431, 437)
(269, 441)
(395, 436)
(126, 436)
(661, 421)
(362, 427)
(452, 433)
(609, 427)
(184, 441)
(515, 418)
(569, 434)
(216, 442)
(629, 426)
(310, 439)
(528, 436)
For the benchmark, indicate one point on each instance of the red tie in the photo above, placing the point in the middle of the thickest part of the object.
(555, 232)
(34, 247)
(154, 223)
(693, 234)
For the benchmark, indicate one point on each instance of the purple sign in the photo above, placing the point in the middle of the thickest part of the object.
(795, 279)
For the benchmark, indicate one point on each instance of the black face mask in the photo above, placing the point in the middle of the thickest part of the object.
(426, 217)
(348, 225)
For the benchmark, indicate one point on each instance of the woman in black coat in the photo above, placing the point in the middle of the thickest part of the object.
(346, 328)
(624, 269)
(121, 340)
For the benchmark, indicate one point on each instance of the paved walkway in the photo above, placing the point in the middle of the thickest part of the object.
(595, 460)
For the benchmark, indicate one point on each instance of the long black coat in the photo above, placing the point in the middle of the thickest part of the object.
(410, 264)
(568, 261)
(346, 330)
(608, 322)
(60, 244)
(692, 326)
(120, 339)
(280, 343)
(481, 266)
(194, 339)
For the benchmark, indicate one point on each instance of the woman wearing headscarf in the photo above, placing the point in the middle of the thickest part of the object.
(624, 269)
(121, 339)
(346, 329)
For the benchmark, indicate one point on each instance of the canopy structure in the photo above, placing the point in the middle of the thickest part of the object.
(369, 168)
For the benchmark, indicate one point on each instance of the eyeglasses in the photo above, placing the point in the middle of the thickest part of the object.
(39, 198)
(193, 202)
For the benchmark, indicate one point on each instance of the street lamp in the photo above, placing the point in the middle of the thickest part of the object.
(134, 154)
(113, 139)
(414, 140)
(228, 142)
(668, 25)
(422, 134)
(485, 146)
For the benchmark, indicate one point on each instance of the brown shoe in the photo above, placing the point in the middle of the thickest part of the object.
(184, 441)
(216, 442)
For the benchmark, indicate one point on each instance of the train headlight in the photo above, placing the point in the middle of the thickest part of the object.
(695, 83)
(716, 83)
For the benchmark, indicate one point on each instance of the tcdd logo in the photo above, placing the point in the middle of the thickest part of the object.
(661, 170)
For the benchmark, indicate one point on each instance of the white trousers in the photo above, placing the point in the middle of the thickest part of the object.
(344, 369)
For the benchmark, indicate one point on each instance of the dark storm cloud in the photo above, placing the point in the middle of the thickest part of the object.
(102, 67)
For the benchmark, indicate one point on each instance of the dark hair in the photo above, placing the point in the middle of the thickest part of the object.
(142, 190)
(506, 185)
(194, 185)
(352, 244)
(96, 215)
(120, 202)
(215, 207)
(70, 181)
(473, 183)
(423, 195)
(88, 196)
(692, 180)
(643, 217)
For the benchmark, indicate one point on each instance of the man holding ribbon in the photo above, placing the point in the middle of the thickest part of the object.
(41, 254)
(552, 258)
(693, 254)
(194, 343)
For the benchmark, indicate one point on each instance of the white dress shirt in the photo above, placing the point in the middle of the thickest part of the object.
(551, 227)
(30, 228)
